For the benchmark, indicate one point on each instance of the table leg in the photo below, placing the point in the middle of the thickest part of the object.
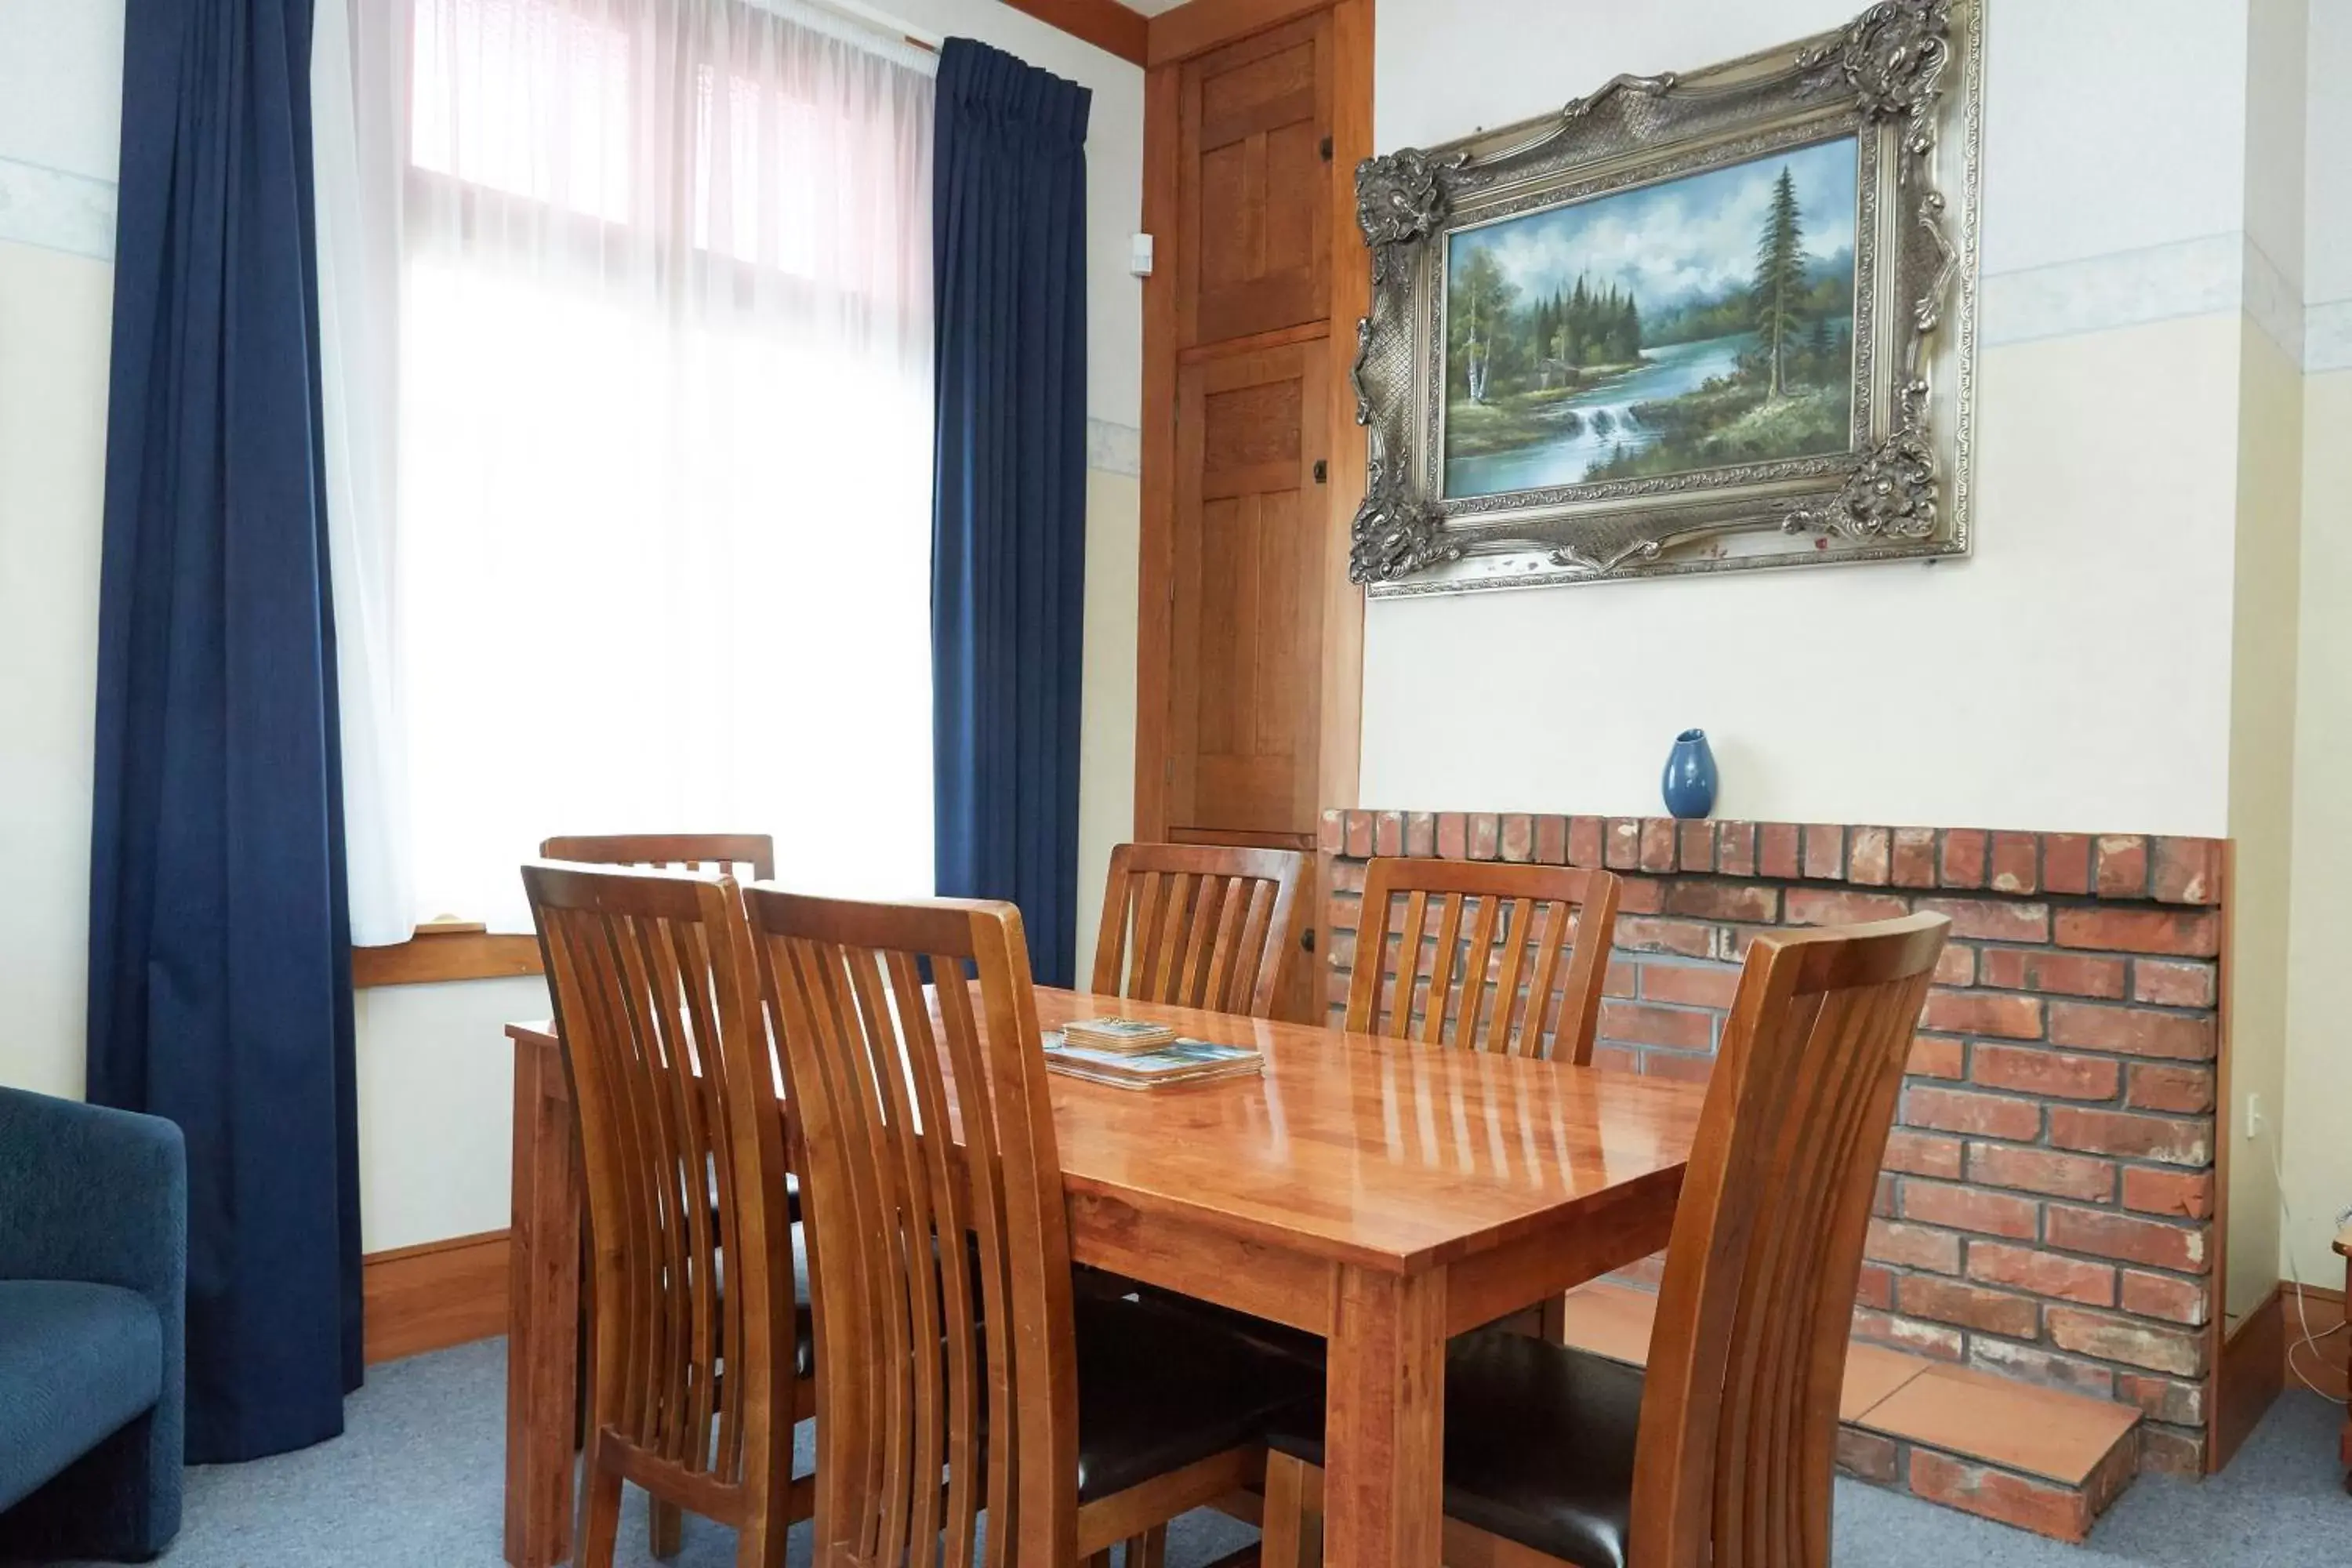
(542, 1314)
(1384, 1421)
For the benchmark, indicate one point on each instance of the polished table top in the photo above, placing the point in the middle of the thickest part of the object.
(1364, 1148)
(1360, 1149)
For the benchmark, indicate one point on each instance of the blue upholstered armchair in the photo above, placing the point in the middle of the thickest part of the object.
(93, 1299)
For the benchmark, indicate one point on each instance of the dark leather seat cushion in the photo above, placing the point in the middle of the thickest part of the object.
(792, 1191)
(1538, 1444)
(1280, 1339)
(1159, 1389)
(803, 1320)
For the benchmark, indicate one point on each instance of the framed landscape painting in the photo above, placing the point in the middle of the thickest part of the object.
(1683, 325)
(1688, 325)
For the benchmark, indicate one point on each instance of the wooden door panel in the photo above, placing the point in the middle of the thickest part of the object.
(1254, 202)
(1250, 438)
(1228, 649)
(1297, 208)
(1245, 702)
(1233, 189)
(1248, 92)
(1248, 791)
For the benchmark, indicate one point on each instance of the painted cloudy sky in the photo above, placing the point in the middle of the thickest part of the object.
(1685, 239)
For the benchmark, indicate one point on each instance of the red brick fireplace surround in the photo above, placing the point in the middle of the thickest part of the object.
(2047, 1209)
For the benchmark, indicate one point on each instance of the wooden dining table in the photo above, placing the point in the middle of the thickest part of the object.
(1385, 1195)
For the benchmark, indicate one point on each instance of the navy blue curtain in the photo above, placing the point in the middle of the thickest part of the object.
(1009, 525)
(219, 941)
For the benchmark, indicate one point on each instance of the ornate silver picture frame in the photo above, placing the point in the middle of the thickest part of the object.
(1542, 400)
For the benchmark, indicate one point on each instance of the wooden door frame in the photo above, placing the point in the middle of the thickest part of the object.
(1178, 35)
(1194, 28)
(1106, 23)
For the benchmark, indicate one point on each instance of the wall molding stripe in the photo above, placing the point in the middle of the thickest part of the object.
(2210, 275)
(72, 213)
(2121, 289)
(57, 210)
(2274, 300)
(2327, 336)
(1114, 448)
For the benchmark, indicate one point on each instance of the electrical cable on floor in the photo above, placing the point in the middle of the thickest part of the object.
(2309, 1341)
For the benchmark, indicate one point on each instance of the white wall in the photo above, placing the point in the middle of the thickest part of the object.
(434, 1067)
(59, 69)
(61, 84)
(2316, 1103)
(2265, 645)
(53, 307)
(2086, 639)
(1106, 721)
(2317, 1098)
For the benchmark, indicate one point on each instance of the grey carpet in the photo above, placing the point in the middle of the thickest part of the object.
(416, 1480)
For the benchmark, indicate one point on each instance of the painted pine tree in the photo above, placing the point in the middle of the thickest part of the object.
(1778, 291)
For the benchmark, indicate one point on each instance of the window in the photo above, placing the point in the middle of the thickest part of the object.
(661, 542)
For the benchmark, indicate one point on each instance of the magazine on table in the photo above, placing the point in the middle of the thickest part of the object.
(1180, 1061)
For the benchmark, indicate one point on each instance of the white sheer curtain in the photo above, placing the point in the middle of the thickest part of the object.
(659, 555)
(358, 212)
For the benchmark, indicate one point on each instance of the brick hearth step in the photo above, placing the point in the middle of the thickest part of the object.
(2038, 1458)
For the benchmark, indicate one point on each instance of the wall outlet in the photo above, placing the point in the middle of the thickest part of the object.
(2253, 1116)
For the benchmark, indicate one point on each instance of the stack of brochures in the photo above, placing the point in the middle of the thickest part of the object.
(1117, 1034)
(1175, 1060)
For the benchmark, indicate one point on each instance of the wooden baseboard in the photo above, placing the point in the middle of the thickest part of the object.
(433, 1296)
(2252, 1374)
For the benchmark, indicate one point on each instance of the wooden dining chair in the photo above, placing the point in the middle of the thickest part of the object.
(696, 1363)
(1200, 925)
(1723, 1451)
(1073, 1424)
(747, 856)
(1515, 955)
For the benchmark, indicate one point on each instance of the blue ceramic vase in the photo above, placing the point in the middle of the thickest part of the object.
(1689, 783)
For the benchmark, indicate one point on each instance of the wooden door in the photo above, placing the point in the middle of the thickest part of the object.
(1248, 594)
(1255, 207)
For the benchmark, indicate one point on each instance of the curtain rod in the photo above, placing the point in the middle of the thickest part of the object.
(873, 22)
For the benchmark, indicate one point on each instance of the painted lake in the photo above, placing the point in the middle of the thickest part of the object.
(1595, 424)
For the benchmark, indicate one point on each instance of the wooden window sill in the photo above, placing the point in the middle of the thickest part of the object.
(445, 950)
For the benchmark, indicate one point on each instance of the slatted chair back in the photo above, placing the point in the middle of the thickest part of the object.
(913, 1363)
(1740, 1404)
(682, 1141)
(746, 857)
(1492, 955)
(1200, 925)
